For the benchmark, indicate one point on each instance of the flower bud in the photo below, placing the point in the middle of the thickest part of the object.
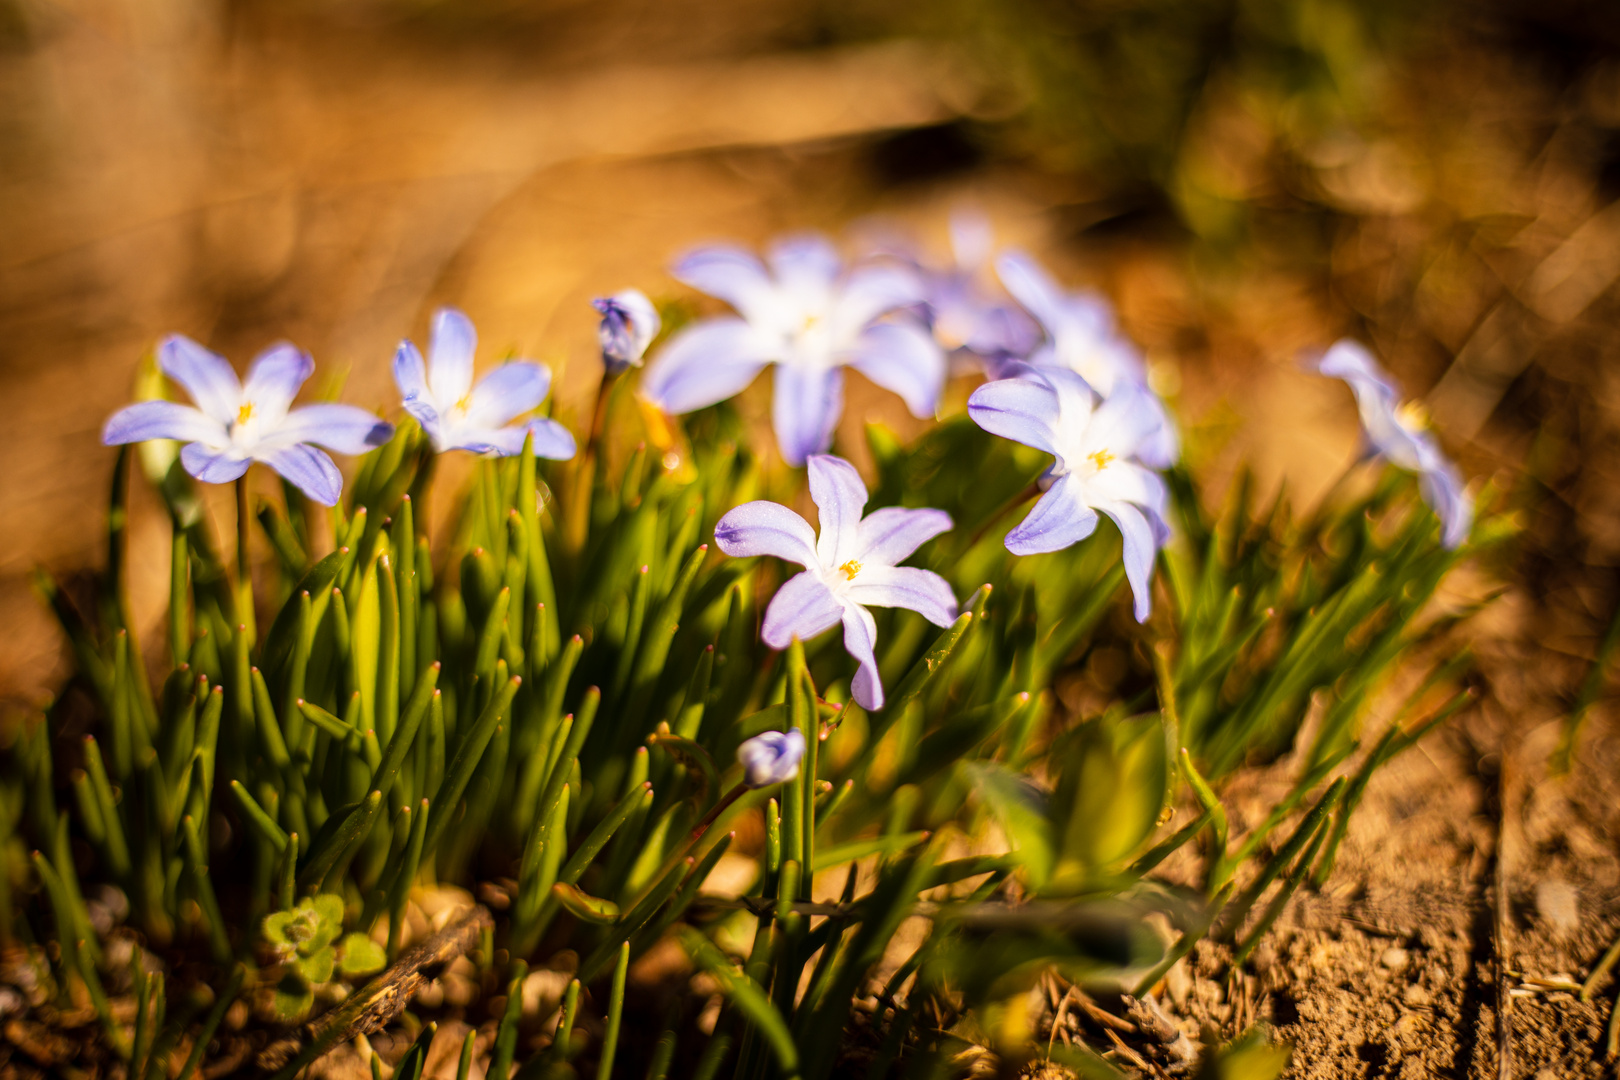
(771, 758)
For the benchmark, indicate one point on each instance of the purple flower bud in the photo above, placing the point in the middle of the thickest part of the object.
(629, 324)
(771, 758)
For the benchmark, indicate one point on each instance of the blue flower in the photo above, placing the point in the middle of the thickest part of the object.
(849, 567)
(235, 425)
(971, 319)
(1400, 433)
(810, 318)
(629, 324)
(1097, 444)
(1082, 337)
(460, 416)
(771, 758)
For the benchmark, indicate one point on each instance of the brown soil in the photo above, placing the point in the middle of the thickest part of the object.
(1461, 883)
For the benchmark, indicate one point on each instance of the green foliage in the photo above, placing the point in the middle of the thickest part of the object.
(552, 689)
(305, 939)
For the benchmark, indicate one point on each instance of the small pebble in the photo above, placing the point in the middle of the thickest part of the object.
(1417, 997)
(1395, 958)
(1179, 983)
(1559, 905)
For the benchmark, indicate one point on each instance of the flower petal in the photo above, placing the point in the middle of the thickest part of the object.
(206, 376)
(1031, 286)
(707, 362)
(1378, 401)
(508, 391)
(888, 535)
(309, 470)
(766, 528)
(344, 428)
(1140, 550)
(1077, 400)
(730, 273)
(551, 439)
(214, 466)
(972, 240)
(802, 608)
(1023, 410)
(805, 405)
(410, 372)
(274, 379)
(1059, 519)
(428, 416)
(860, 641)
(872, 292)
(904, 358)
(922, 591)
(1127, 481)
(840, 497)
(451, 345)
(1126, 419)
(1442, 489)
(162, 420)
(807, 263)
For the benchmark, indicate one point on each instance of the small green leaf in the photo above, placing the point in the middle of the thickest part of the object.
(292, 1000)
(277, 925)
(317, 966)
(328, 908)
(1021, 809)
(326, 913)
(361, 956)
(583, 906)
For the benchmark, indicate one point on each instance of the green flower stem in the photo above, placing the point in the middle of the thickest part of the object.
(506, 1033)
(197, 864)
(244, 560)
(179, 597)
(402, 885)
(615, 1016)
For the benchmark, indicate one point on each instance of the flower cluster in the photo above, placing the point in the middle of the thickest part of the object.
(235, 424)
(1061, 378)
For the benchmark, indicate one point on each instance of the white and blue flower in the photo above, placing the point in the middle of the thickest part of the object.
(811, 318)
(235, 424)
(1399, 432)
(849, 567)
(1082, 337)
(458, 415)
(1097, 444)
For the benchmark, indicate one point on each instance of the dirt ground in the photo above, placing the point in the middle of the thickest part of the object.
(1470, 901)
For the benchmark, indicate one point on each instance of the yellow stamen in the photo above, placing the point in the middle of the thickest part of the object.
(850, 569)
(245, 413)
(1412, 415)
(466, 402)
(1100, 458)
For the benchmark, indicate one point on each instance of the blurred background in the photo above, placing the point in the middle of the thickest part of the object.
(1246, 179)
